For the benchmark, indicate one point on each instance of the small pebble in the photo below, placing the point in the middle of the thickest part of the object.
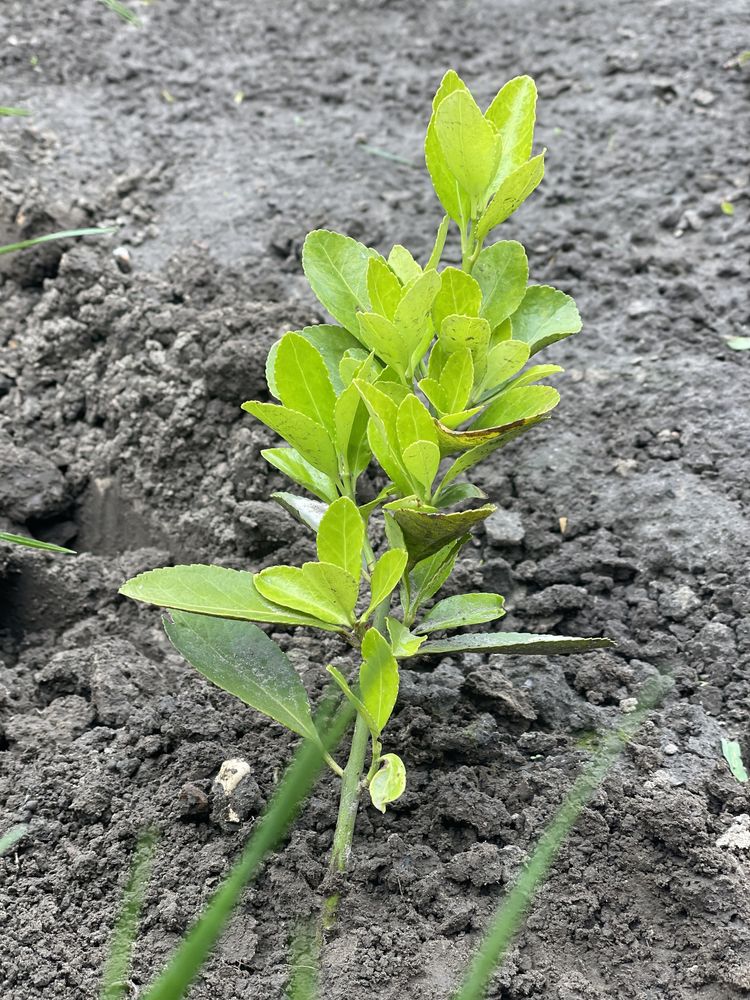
(670, 749)
(628, 705)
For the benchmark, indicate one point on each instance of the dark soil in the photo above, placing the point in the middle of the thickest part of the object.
(121, 435)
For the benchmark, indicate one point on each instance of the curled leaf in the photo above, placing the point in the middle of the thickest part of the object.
(389, 783)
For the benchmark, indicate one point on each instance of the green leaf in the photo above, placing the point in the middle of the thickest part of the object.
(341, 537)
(451, 495)
(11, 837)
(66, 235)
(469, 333)
(383, 287)
(429, 575)
(733, 756)
(403, 264)
(457, 380)
(545, 316)
(307, 512)
(464, 609)
(15, 112)
(382, 336)
(240, 658)
(296, 468)
(213, 590)
(454, 200)
(437, 250)
(511, 194)
(738, 343)
(413, 315)
(534, 374)
(470, 143)
(425, 533)
(378, 678)
(403, 642)
(302, 380)
(414, 423)
(488, 439)
(381, 433)
(321, 590)
(501, 271)
(385, 576)
(389, 783)
(303, 434)
(122, 11)
(358, 704)
(331, 342)
(516, 405)
(422, 459)
(351, 418)
(512, 642)
(336, 267)
(513, 113)
(33, 543)
(503, 361)
(459, 294)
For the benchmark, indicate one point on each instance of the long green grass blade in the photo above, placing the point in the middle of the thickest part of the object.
(67, 234)
(509, 915)
(11, 838)
(295, 786)
(304, 982)
(32, 543)
(15, 112)
(122, 11)
(115, 979)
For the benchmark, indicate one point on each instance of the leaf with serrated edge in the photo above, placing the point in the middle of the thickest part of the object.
(389, 783)
(387, 572)
(322, 590)
(425, 533)
(307, 512)
(545, 316)
(378, 678)
(455, 201)
(503, 361)
(386, 340)
(468, 440)
(303, 434)
(383, 287)
(331, 342)
(515, 405)
(403, 642)
(296, 468)
(422, 459)
(501, 271)
(414, 423)
(469, 333)
(511, 194)
(470, 144)
(214, 590)
(239, 658)
(459, 294)
(341, 536)
(303, 382)
(463, 609)
(403, 264)
(513, 113)
(512, 642)
(336, 268)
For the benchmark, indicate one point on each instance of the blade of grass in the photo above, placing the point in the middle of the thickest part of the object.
(294, 788)
(510, 913)
(67, 234)
(122, 11)
(733, 756)
(304, 980)
(11, 838)
(32, 543)
(114, 981)
(15, 112)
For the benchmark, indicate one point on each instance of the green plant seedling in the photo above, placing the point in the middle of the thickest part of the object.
(12, 836)
(32, 543)
(732, 753)
(423, 373)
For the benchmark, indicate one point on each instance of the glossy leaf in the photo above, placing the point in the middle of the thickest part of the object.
(422, 459)
(425, 533)
(516, 405)
(299, 470)
(501, 271)
(352, 698)
(732, 753)
(383, 337)
(512, 642)
(404, 643)
(469, 333)
(331, 342)
(414, 423)
(341, 537)
(413, 316)
(440, 237)
(454, 200)
(302, 433)
(470, 144)
(33, 543)
(545, 316)
(513, 113)
(459, 294)
(478, 452)
(383, 287)
(403, 264)
(350, 420)
(214, 590)
(534, 374)
(463, 609)
(321, 590)
(511, 194)
(429, 575)
(307, 512)
(503, 361)
(494, 437)
(389, 783)
(240, 658)
(378, 678)
(303, 382)
(386, 574)
(336, 268)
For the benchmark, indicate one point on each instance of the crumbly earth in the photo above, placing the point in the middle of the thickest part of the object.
(216, 137)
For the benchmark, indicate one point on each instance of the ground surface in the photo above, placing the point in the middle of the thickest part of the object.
(121, 434)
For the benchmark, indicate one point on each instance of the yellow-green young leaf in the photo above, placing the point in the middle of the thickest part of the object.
(511, 194)
(403, 264)
(307, 512)
(239, 658)
(336, 267)
(351, 418)
(331, 342)
(469, 333)
(421, 460)
(503, 361)
(472, 439)
(545, 316)
(426, 532)
(341, 536)
(383, 411)
(470, 144)
(389, 783)
(414, 423)
(459, 294)
(413, 315)
(437, 249)
(435, 393)
(515, 405)
(501, 271)
(302, 380)
(383, 287)
(454, 200)
(354, 700)
(512, 642)
(388, 458)
(378, 678)
(463, 609)
(385, 576)
(454, 420)
(535, 374)
(513, 113)
(403, 642)
(320, 589)
(359, 364)
(457, 380)
(382, 336)
(294, 466)
(213, 590)
(303, 434)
